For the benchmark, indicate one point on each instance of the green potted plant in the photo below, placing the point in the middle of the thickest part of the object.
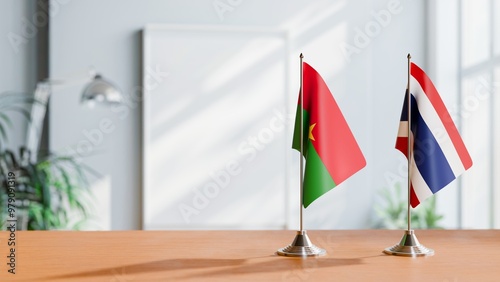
(392, 212)
(49, 193)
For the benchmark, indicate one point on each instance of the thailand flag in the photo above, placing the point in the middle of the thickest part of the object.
(439, 154)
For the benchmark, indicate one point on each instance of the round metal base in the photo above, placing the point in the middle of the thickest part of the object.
(301, 247)
(409, 247)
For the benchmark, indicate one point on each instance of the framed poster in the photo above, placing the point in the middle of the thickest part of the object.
(216, 129)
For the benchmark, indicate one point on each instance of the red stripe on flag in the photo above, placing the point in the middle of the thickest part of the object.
(334, 141)
(402, 145)
(413, 198)
(437, 103)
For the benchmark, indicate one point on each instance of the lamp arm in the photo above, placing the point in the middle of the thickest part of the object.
(39, 108)
(76, 78)
(38, 111)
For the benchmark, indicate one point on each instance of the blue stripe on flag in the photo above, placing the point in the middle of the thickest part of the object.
(404, 112)
(429, 158)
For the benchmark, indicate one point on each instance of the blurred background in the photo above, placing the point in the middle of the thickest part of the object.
(202, 136)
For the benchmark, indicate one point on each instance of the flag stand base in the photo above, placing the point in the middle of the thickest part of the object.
(409, 247)
(301, 247)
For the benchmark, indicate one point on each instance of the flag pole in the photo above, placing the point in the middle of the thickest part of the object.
(408, 101)
(301, 245)
(409, 246)
(301, 206)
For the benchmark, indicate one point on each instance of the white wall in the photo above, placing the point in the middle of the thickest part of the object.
(368, 86)
(18, 57)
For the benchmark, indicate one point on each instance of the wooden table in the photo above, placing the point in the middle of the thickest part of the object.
(461, 255)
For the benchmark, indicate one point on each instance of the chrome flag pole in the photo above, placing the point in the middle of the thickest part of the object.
(409, 245)
(301, 245)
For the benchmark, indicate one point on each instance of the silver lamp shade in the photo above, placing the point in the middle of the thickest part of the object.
(102, 91)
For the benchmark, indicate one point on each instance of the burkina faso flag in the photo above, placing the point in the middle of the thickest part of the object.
(330, 150)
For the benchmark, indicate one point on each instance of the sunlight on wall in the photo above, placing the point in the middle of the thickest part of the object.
(216, 156)
(200, 159)
(476, 32)
(477, 180)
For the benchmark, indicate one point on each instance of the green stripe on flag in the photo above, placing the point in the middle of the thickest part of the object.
(296, 133)
(317, 180)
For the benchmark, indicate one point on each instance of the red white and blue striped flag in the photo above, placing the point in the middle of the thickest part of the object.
(439, 154)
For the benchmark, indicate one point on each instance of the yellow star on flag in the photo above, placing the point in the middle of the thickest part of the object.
(311, 127)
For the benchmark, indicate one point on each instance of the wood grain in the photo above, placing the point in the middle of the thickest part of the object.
(461, 255)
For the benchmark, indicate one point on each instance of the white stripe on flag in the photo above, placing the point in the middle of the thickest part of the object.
(403, 129)
(431, 118)
(420, 187)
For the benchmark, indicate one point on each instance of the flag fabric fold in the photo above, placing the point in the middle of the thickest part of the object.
(439, 154)
(330, 150)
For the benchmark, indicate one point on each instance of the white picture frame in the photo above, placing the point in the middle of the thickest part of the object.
(209, 91)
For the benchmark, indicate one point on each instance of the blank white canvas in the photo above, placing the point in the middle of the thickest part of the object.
(215, 128)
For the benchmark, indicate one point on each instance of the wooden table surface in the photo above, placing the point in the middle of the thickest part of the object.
(461, 255)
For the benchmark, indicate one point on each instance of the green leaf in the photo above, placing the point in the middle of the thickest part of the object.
(3, 134)
(6, 119)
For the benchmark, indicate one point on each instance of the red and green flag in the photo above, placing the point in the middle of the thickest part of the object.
(331, 153)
